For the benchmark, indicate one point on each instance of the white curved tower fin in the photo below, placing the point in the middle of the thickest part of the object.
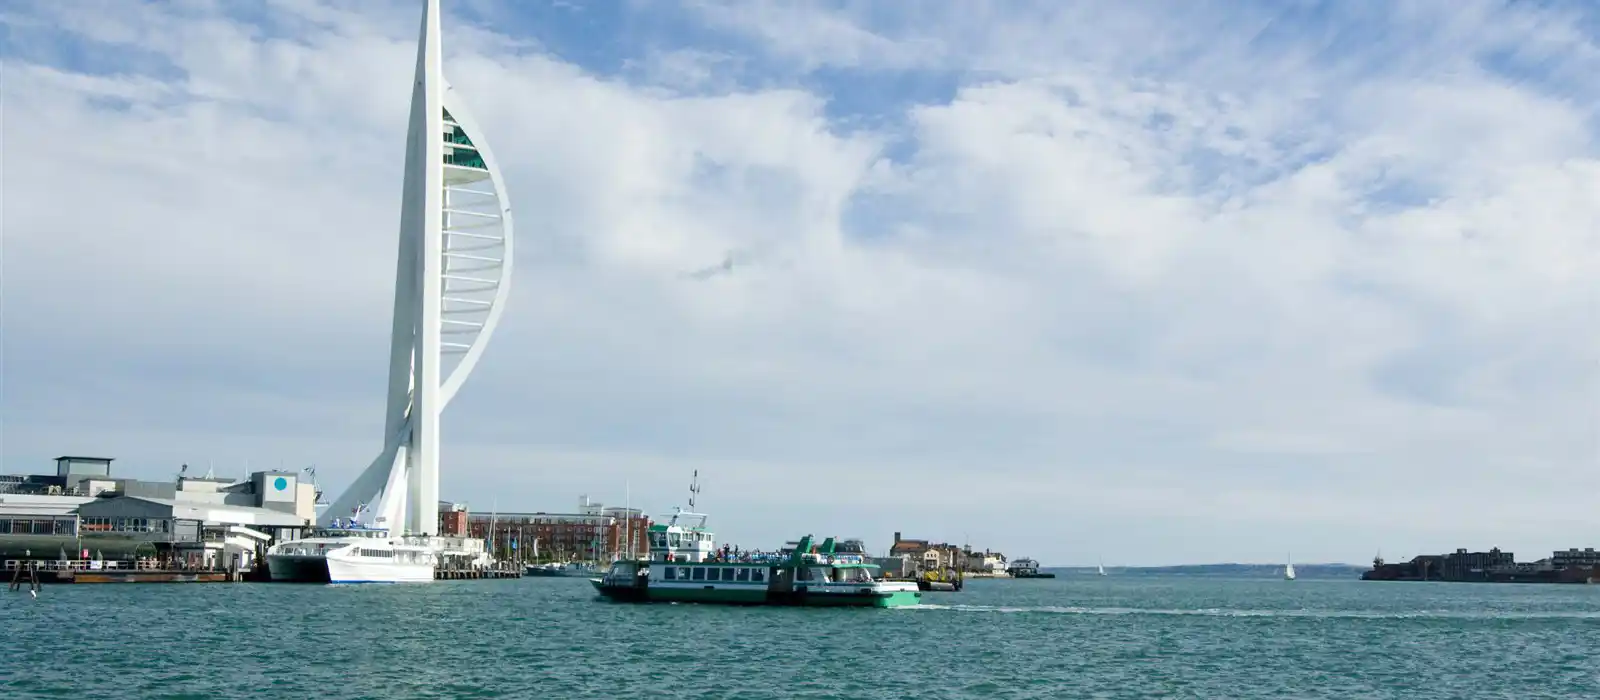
(452, 278)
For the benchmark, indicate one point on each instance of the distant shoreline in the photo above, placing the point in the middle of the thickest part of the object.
(1220, 569)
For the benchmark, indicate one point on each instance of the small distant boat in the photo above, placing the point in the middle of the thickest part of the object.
(1100, 569)
(580, 570)
(1288, 570)
(551, 569)
(1027, 568)
(573, 569)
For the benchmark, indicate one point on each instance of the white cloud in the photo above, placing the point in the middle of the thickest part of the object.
(1257, 279)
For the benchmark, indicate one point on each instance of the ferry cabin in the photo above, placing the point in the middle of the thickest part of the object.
(682, 538)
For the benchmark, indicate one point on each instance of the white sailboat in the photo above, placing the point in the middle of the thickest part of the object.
(1288, 569)
(1100, 568)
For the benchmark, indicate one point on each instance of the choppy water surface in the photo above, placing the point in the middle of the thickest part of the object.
(549, 638)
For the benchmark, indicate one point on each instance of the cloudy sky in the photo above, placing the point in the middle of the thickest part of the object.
(1155, 281)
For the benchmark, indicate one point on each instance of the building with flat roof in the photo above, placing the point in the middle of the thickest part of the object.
(84, 512)
(596, 532)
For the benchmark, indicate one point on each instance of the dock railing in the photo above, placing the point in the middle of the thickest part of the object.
(72, 565)
(103, 565)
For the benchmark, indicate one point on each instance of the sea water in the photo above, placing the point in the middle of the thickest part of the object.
(1071, 637)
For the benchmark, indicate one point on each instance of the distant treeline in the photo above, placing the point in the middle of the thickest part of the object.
(1231, 570)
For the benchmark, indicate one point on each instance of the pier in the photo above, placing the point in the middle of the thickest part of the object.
(21, 573)
(24, 572)
(469, 574)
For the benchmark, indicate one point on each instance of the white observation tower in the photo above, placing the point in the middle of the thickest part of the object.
(451, 283)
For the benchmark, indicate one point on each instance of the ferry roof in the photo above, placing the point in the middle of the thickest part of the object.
(662, 527)
(672, 520)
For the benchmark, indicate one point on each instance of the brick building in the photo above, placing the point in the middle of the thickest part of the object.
(595, 533)
(453, 519)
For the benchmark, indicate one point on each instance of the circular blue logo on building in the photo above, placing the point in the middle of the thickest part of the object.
(280, 483)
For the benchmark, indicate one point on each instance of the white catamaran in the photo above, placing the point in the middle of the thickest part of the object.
(351, 553)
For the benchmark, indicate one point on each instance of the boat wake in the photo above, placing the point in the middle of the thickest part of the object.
(1231, 612)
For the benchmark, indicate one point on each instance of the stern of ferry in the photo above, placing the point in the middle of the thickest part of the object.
(895, 594)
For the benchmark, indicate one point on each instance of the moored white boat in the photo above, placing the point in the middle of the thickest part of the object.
(351, 554)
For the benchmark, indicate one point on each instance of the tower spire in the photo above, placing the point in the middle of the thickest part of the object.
(452, 279)
(424, 202)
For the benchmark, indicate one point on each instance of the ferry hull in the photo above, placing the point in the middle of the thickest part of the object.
(716, 595)
(302, 569)
(378, 572)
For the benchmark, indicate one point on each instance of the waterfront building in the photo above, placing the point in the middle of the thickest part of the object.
(1462, 565)
(930, 556)
(1495, 566)
(1585, 558)
(84, 512)
(452, 519)
(596, 532)
(985, 563)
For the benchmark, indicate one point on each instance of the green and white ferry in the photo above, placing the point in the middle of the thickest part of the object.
(686, 567)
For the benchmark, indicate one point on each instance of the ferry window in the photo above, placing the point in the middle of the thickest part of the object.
(805, 575)
(757, 575)
(743, 575)
(699, 574)
(727, 574)
(683, 573)
(674, 539)
(669, 573)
